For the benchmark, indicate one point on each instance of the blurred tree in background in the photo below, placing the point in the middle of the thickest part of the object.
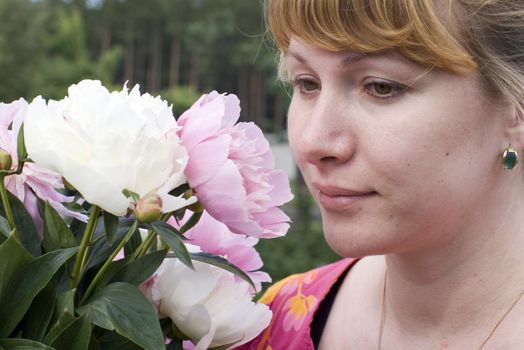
(175, 48)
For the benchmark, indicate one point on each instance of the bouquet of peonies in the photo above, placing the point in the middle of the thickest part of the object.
(123, 228)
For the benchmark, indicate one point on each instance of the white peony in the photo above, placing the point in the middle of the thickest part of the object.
(207, 304)
(103, 143)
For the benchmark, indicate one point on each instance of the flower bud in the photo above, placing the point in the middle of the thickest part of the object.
(5, 160)
(149, 208)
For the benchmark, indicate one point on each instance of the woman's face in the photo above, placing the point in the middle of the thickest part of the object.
(398, 158)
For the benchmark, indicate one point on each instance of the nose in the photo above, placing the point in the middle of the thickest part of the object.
(321, 131)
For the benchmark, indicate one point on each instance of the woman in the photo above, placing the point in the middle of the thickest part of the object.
(406, 120)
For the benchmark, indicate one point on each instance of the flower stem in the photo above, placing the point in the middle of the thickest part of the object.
(84, 244)
(145, 245)
(109, 260)
(7, 206)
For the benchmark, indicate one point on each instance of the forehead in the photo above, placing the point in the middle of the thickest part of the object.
(306, 53)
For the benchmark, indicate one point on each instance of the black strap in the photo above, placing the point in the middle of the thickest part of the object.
(322, 314)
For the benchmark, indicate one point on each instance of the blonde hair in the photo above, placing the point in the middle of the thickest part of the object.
(459, 36)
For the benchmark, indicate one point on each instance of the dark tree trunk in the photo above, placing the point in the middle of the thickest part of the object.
(278, 113)
(174, 61)
(106, 37)
(155, 64)
(129, 57)
(243, 91)
(256, 95)
(140, 65)
(264, 120)
(194, 67)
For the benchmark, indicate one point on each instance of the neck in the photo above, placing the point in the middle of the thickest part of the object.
(455, 289)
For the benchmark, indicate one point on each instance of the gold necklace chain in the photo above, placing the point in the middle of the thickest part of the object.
(383, 317)
(382, 313)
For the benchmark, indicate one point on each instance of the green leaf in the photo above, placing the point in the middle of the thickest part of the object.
(13, 258)
(75, 336)
(114, 341)
(191, 222)
(24, 225)
(167, 230)
(174, 240)
(179, 190)
(78, 228)
(38, 317)
(57, 234)
(223, 264)
(94, 344)
(20, 146)
(130, 194)
(63, 315)
(23, 344)
(26, 284)
(74, 206)
(5, 229)
(110, 227)
(112, 270)
(101, 250)
(110, 309)
(134, 272)
(141, 269)
(133, 243)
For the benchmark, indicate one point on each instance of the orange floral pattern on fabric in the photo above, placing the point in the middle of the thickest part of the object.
(294, 301)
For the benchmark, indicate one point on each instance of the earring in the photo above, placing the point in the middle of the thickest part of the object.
(509, 158)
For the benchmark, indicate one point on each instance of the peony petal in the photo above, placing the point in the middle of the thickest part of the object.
(204, 122)
(30, 203)
(281, 193)
(97, 189)
(205, 341)
(172, 203)
(231, 110)
(206, 159)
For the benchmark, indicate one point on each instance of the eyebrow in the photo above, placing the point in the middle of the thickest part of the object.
(345, 61)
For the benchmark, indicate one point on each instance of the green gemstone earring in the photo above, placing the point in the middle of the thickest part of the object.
(509, 158)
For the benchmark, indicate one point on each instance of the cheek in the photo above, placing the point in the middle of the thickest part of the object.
(432, 169)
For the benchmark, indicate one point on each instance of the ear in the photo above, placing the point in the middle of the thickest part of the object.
(515, 129)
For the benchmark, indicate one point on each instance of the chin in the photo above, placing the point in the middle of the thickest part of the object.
(351, 245)
(354, 243)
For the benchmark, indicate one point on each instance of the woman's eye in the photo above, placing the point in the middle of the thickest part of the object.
(384, 89)
(309, 85)
(305, 85)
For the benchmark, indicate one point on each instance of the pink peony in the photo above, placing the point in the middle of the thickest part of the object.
(231, 168)
(214, 237)
(35, 180)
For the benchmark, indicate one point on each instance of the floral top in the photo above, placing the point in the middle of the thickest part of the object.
(294, 302)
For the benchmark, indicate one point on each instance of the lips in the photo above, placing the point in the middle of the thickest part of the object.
(337, 198)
